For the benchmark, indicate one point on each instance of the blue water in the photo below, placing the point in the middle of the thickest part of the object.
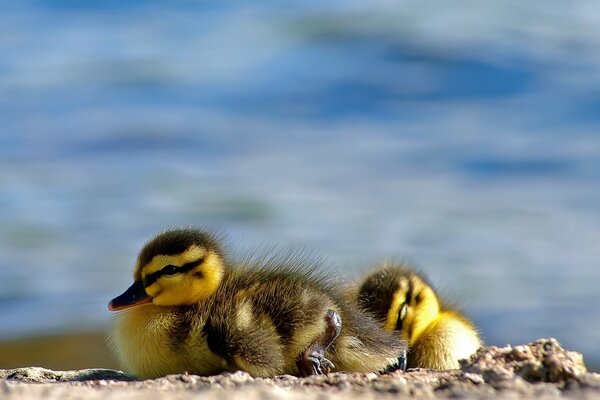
(463, 138)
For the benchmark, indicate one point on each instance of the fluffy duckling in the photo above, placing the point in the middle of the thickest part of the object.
(403, 300)
(191, 309)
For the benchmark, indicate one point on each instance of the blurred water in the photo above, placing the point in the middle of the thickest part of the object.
(462, 137)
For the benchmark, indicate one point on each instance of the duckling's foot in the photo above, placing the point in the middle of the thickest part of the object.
(400, 364)
(312, 361)
(403, 361)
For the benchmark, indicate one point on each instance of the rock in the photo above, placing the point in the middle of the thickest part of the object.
(43, 375)
(541, 369)
(542, 361)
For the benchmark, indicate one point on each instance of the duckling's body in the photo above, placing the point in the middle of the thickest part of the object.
(402, 300)
(265, 317)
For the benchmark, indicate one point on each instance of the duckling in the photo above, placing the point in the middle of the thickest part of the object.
(403, 300)
(191, 309)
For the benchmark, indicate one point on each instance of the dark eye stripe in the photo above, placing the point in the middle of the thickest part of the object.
(151, 278)
(399, 322)
(409, 292)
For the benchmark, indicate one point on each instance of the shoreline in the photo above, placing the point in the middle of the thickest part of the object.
(61, 351)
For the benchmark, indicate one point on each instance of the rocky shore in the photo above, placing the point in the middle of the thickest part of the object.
(539, 370)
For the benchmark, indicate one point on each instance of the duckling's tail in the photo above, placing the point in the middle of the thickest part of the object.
(363, 346)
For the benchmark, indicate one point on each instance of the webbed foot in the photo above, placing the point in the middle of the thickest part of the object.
(312, 361)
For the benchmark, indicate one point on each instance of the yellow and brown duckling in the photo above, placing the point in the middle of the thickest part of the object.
(192, 310)
(403, 300)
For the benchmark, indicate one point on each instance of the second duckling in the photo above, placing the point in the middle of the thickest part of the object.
(191, 309)
(404, 301)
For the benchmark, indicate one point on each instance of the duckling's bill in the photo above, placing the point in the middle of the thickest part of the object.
(134, 295)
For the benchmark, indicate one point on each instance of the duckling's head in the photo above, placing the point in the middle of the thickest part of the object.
(401, 298)
(177, 267)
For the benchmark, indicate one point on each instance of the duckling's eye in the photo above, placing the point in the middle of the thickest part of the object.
(418, 298)
(403, 311)
(169, 270)
(401, 316)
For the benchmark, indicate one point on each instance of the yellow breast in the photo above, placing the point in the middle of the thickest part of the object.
(462, 335)
(142, 340)
(446, 340)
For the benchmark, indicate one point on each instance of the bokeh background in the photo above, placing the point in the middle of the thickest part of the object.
(462, 137)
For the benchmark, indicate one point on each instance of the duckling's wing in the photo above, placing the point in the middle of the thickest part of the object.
(246, 341)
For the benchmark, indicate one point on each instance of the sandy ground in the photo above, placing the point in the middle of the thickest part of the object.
(539, 370)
